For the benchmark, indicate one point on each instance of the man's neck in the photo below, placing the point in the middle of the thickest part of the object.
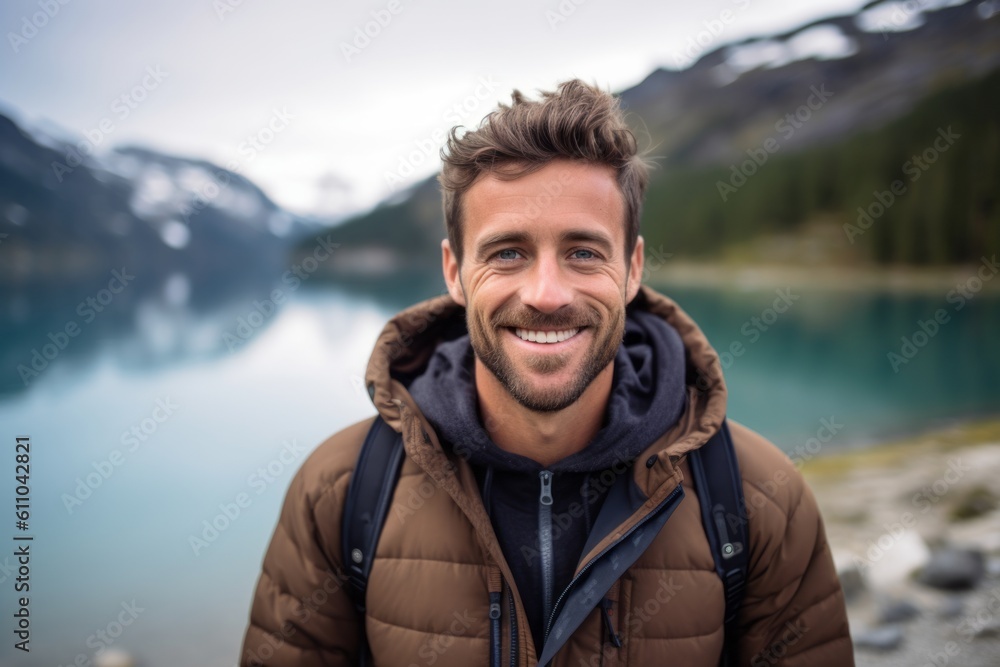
(544, 437)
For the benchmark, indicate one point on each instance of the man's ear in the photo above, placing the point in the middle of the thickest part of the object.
(635, 269)
(451, 270)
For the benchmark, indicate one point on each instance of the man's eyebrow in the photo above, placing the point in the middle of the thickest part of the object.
(588, 236)
(499, 238)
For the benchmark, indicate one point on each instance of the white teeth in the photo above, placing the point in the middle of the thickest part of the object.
(545, 336)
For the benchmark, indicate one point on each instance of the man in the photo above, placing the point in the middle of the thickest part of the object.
(546, 379)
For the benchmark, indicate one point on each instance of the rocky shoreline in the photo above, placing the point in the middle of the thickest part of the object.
(915, 531)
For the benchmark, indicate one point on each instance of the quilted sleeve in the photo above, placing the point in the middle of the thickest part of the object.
(793, 614)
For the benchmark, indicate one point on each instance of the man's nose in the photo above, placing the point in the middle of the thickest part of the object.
(547, 288)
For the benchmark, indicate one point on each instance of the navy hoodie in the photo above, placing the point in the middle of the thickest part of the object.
(542, 516)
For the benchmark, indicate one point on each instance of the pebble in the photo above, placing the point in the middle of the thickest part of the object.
(988, 629)
(953, 569)
(851, 581)
(897, 611)
(885, 638)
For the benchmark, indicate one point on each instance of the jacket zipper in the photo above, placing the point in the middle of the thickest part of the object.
(545, 538)
(649, 515)
(513, 627)
(495, 629)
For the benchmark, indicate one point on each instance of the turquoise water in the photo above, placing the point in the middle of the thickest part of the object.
(218, 427)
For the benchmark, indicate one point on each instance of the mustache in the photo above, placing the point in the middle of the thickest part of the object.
(532, 319)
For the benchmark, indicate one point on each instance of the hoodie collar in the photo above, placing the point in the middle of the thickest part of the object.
(409, 340)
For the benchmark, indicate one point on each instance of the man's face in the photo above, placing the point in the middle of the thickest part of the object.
(544, 279)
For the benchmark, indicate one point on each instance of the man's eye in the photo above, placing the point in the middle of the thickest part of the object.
(508, 254)
(587, 254)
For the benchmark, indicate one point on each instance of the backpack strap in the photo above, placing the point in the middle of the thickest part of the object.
(716, 475)
(369, 492)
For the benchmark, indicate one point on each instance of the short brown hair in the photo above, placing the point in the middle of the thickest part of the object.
(577, 121)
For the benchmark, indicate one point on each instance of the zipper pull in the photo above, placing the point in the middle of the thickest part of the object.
(495, 629)
(546, 496)
(615, 639)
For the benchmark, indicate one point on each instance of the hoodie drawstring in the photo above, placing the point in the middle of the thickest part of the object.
(488, 491)
(586, 503)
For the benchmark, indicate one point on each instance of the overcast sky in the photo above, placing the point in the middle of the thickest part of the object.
(337, 116)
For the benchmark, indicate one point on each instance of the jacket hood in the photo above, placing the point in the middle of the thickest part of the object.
(409, 340)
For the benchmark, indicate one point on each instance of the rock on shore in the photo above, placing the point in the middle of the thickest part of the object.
(915, 532)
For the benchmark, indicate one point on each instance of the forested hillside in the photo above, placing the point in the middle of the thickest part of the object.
(944, 157)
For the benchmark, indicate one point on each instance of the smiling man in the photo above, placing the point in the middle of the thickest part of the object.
(557, 419)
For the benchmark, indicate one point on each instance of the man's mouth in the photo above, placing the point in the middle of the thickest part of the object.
(534, 336)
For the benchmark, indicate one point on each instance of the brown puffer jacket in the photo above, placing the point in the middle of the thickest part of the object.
(438, 558)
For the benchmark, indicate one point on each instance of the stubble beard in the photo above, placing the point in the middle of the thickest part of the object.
(486, 341)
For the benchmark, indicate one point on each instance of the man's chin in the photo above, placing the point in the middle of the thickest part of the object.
(548, 392)
(546, 371)
(545, 402)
